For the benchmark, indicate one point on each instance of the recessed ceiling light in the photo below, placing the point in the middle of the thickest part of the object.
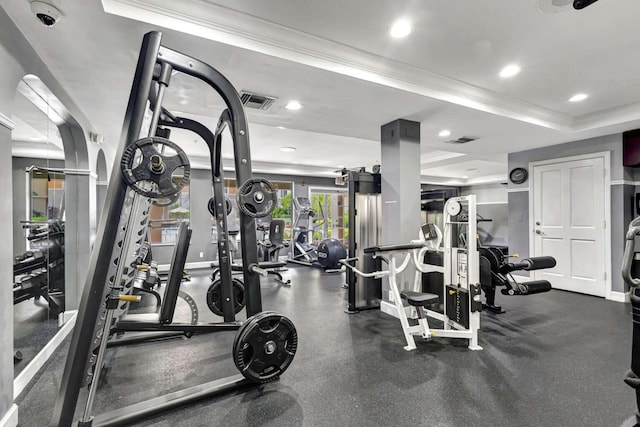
(288, 149)
(578, 97)
(293, 105)
(400, 29)
(509, 71)
(281, 127)
(444, 133)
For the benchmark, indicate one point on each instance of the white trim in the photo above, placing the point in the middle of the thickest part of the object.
(506, 202)
(10, 419)
(606, 156)
(234, 28)
(30, 371)
(6, 122)
(517, 190)
(620, 296)
(625, 182)
(322, 189)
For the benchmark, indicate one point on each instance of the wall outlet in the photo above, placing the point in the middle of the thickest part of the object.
(201, 254)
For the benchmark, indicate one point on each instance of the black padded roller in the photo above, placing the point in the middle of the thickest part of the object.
(535, 287)
(539, 263)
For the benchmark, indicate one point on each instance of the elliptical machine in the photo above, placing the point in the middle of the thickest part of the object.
(326, 255)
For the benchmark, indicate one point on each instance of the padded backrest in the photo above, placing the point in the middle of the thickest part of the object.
(276, 232)
(175, 273)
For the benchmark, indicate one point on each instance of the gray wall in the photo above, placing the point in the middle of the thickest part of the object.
(492, 203)
(200, 219)
(621, 195)
(19, 185)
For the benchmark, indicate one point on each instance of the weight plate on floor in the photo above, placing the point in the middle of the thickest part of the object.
(214, 296)
(265, 346)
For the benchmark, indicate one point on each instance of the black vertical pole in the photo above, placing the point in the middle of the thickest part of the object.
(91, 303)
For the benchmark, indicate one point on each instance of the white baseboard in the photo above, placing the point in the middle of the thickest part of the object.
(30, 371)
(163, 268)
(620, 296)
(10, 419)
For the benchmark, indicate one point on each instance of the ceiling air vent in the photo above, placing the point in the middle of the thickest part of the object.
(461, 140)
(255, 101)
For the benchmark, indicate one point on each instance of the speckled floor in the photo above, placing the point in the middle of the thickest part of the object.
(33, 327)
(554, 359)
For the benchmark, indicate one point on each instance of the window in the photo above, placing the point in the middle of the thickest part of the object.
(332, 216)
(164, 221)
(283, 209)
(47, 194)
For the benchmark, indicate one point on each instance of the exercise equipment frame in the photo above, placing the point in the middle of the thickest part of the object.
(118, 225)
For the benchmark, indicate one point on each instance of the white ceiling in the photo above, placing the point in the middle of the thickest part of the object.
(337, 59)
(35, 134)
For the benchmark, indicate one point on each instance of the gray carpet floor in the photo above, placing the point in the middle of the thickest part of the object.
(553, 359)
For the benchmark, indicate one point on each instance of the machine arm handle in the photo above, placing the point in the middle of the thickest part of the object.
(257, 270)
(629, 251)
(375, 274)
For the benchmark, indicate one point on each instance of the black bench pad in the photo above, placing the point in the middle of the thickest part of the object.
(419, 299)
(388, 248)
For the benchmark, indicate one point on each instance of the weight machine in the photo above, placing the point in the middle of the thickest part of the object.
(150, 169)
(326, 255)
(632, 377)
(461, 305)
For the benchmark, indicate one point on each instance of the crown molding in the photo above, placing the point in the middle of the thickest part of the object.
(249, 32)
(6, 122)
(228, 26)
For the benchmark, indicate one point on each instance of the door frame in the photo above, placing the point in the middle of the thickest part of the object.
(606, 156)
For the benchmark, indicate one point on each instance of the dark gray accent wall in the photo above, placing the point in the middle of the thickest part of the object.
(200, 218)
(19, 185)
(621, 195)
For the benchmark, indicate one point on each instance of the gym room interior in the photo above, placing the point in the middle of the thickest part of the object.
(320, 213)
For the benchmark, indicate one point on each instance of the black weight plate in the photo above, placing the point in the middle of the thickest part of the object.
(214, 296)
(265, 347)
(247, 325)
(257, 197)
(211, 206)
(134, 175)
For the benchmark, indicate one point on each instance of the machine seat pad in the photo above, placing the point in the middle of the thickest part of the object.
(419, 299)
(261, 264)
(389, 248)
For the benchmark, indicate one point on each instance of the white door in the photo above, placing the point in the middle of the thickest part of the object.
(569, 224)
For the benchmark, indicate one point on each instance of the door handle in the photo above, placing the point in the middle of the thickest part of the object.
(537, 222)
(538, 232)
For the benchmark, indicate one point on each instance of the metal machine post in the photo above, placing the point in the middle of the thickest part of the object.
(365, 230)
